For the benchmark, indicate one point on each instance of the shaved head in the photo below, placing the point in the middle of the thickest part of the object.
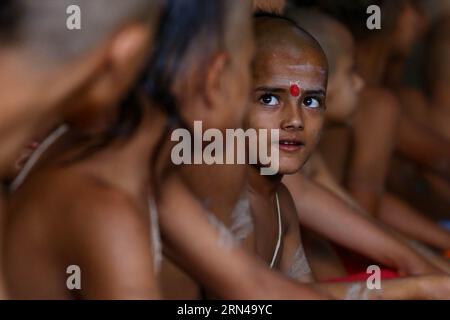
(40, 26)
(289, 86)
(281, 37)
(335, 39)
(271, 6)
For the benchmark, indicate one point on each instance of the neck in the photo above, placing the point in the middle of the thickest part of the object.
(264, 186)
(134, 157)
(125, 163)
(218, 186)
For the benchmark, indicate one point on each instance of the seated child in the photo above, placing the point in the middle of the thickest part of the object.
(290, 79)
(43, 64)
(72, 216)
(343, 87)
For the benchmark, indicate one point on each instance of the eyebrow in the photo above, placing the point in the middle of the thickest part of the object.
(319, 92)
(270, 89)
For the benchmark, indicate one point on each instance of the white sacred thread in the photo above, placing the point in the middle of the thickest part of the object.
(36, 155)
(280, 233)
(156, 235)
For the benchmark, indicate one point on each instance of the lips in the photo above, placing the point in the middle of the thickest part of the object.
(291, 145)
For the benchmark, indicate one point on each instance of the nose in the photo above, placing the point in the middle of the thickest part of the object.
(292, 118)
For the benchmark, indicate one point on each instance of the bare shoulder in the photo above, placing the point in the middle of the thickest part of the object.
(70, 204)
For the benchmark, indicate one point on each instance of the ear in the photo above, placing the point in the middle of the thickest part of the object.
(125, 56)
(215, 80)
(110, 71)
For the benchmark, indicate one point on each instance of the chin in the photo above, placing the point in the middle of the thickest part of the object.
(289, 169)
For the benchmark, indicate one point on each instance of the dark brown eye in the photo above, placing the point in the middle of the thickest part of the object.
(311, 102)
(269, 100)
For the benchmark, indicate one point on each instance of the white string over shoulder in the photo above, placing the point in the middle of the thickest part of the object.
(156, 235)
(36, 155)
(280, 233)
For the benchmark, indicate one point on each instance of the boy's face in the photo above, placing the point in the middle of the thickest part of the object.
(37, 94)
(343, 87)
(299, 117)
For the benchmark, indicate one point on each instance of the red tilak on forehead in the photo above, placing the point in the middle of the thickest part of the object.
(295, 89)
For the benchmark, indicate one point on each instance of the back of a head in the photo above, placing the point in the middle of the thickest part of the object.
(191, 32)
(332, 36)
(41, 26)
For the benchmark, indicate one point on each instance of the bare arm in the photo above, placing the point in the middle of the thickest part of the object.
(411, 288)
(400, 216)
(206, 252)
(325, 213)
(375, 133)
(393, 214)
(322, 176)
(423, 146)
(424, 287)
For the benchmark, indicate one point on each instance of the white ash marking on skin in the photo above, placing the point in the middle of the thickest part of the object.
(242, 220)
(300, 269)
(308, 68)
(359, 291)
(226, 238)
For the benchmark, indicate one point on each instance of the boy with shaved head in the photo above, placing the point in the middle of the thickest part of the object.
(50, 73)
(370, 155)
(375, 241)
(287, 96)
(39, 52)
(290, 80)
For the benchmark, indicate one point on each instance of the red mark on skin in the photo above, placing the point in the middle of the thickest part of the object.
(295, 90)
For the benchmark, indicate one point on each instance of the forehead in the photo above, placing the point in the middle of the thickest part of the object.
(281, 65)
